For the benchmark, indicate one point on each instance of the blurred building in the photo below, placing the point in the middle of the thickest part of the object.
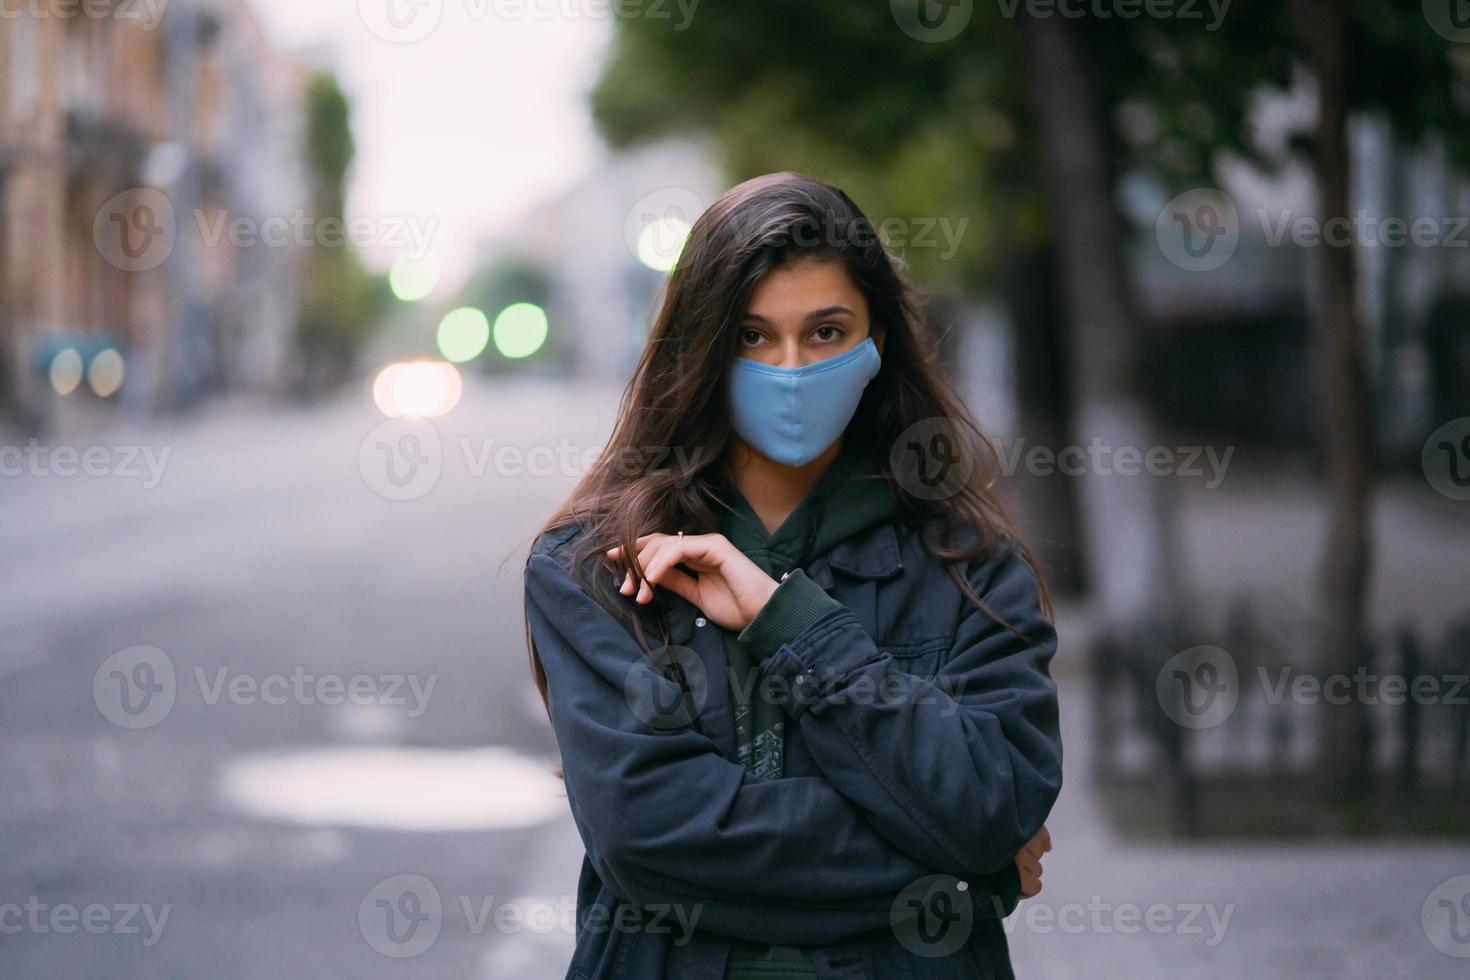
(127, 146)
(1232, 351)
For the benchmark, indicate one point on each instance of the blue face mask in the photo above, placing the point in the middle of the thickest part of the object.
(791, 415)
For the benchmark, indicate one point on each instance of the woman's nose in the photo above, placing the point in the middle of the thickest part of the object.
(794, 355)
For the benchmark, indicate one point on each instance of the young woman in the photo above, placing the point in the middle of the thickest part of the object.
(795, 657)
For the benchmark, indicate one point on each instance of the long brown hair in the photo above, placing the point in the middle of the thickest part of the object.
(674, 409)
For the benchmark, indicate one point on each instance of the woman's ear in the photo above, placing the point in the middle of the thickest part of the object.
(876, 332)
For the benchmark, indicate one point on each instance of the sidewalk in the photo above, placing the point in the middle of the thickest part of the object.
(1115, 908)
(1341, 910)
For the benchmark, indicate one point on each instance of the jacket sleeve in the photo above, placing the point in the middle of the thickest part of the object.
(990, 767)
(668, 819)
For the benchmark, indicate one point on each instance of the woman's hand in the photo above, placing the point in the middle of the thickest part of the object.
(727, 587)
(1028, 862)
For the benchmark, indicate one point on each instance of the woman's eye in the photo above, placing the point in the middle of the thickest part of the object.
(827, 332)
(750, 337)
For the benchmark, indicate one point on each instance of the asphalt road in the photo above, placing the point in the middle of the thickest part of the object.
(339, 696)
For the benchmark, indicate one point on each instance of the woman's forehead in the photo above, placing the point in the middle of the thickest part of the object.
(796, 290)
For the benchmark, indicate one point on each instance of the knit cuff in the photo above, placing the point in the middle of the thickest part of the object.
(797, 605)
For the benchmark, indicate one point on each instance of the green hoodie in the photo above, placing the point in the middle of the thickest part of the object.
(848, 499)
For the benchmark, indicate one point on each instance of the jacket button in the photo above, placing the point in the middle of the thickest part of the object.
(700, 621)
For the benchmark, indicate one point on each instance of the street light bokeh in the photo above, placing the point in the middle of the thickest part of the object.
(105, 373)
(463, 334)
(413, 278)
(520, 330)
(66, 371)
(662, 241)
(417, 389)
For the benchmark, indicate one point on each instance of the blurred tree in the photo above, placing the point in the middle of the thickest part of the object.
(1348, 433)
(340, 301)
(1134, 552)
(1357, 57)
(10, 402)
(329, 143)
(906, 128)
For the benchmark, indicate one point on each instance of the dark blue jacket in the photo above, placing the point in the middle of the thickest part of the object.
(922, 754)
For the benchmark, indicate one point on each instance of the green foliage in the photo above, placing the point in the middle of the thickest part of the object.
(915, 129)
(917, 133)
(1189, 92)
(341, 303)
(329, 144)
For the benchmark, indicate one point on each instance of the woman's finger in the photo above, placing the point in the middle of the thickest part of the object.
(664, 552)
(645, 587)
(648, 557)
(1045, 836)
(630, 586)
(1029, 873)
(696, 549)
(694, 545)
(707, 548)
(659, 561)
(679, 582)
(617, 550)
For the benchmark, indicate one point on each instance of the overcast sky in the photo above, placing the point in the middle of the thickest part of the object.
(468, 111)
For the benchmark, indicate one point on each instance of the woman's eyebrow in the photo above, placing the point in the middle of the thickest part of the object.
(813, 315)
(828, 311)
